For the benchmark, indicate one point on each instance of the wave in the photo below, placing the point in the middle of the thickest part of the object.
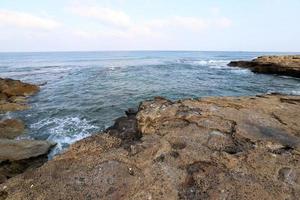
(203, 62)
(64, 131)
(294, 92)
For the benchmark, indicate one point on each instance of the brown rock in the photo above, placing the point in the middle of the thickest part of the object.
(14, 150)
(6, 107)
(281, 65)
(18, 156)
(11, 128)
(17, 88)
(13, 94)
(210, 148)
(3, 98)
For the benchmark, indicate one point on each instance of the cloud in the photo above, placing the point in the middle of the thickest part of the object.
(223, 22)
(104, 15)
(116, 19)
(26, 20)
(179, 22)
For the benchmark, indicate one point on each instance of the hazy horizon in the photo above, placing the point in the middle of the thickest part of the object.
(89, 51)
(129, 25)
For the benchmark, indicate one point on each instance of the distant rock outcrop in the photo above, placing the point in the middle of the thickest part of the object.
(209, 148)
(281, 65)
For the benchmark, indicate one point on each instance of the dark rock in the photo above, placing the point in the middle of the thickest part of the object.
(131, 112)
(281, 65)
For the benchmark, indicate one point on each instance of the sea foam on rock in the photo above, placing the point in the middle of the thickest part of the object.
(209, 148)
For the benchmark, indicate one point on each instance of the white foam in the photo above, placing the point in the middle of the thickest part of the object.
(7, 115)
(210, 63)
(295, 92)
(240, 70)
(65, 131)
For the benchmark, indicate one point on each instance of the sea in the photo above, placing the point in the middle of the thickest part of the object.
(82, 93)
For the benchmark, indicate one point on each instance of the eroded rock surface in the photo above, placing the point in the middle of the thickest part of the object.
(14, 150)
(17, 156)
(281, 65)
(13, 94)
(210, 148)
(11, 128)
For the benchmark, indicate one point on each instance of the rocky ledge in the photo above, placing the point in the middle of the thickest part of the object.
(13, 94)
(281, 65)
(209, 148)
(17, 156)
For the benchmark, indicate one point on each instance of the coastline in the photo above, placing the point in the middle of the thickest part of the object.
(280, 65)
(245, 147)
(18, 156)
(214, 147)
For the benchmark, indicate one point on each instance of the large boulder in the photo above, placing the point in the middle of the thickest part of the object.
(281, 65)
(18, 156)
(13, 150)
(11, 128)
(210, 148)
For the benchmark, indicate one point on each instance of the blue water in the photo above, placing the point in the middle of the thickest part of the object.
(86, 91)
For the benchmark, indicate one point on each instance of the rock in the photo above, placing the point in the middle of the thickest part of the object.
(209, 148)
(3, 98)
(281, 65)
(17, 156)
(6, 107)
(13, 94)
(18, 99)
(131, 111)
(9, 169)
(14, 150)
(17, 88)
(11, 128)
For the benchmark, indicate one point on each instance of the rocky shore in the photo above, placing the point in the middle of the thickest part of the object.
(208, 148)
(17, 156)
(281, 65)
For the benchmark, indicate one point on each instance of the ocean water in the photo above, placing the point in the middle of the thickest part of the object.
(83, 92)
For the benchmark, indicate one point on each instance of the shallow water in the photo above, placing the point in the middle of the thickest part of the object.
(86, 91)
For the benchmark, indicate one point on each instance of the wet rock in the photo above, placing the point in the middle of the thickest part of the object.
(11, 128)
(131, 112)
(125, 128)
(209, 148)
(14, 150)
(6, 107)
(13, 94)
(17, 88)
(281, 65)
(17, 156)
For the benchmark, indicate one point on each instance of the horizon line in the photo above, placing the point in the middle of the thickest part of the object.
(89, 51)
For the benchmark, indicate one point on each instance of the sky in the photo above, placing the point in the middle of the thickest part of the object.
(92, 25)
